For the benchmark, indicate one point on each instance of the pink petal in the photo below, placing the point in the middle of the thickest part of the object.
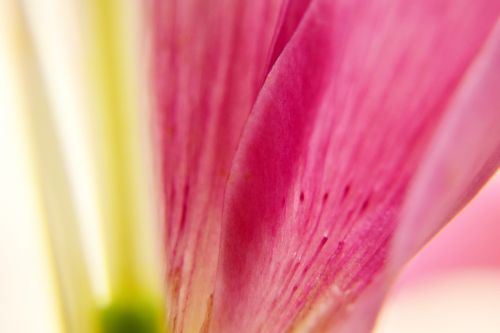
(330, 152)
(291, 15)
(465, 152)
(210, 59)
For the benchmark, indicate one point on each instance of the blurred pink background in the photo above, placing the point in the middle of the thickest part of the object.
(453, 284)
(470, 242)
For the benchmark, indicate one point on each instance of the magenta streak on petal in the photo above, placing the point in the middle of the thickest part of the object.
(327, 156)
(210, 58)
(291, 15)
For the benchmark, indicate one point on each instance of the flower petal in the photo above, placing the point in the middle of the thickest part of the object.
(328, 154)
(465, 153)
(291, 15)
(210, 59)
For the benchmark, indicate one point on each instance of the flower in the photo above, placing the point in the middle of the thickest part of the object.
(310, 148)
(307, 149)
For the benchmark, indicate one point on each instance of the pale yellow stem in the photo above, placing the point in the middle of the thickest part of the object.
(118, 115)
(76, 300)
(120, 118)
